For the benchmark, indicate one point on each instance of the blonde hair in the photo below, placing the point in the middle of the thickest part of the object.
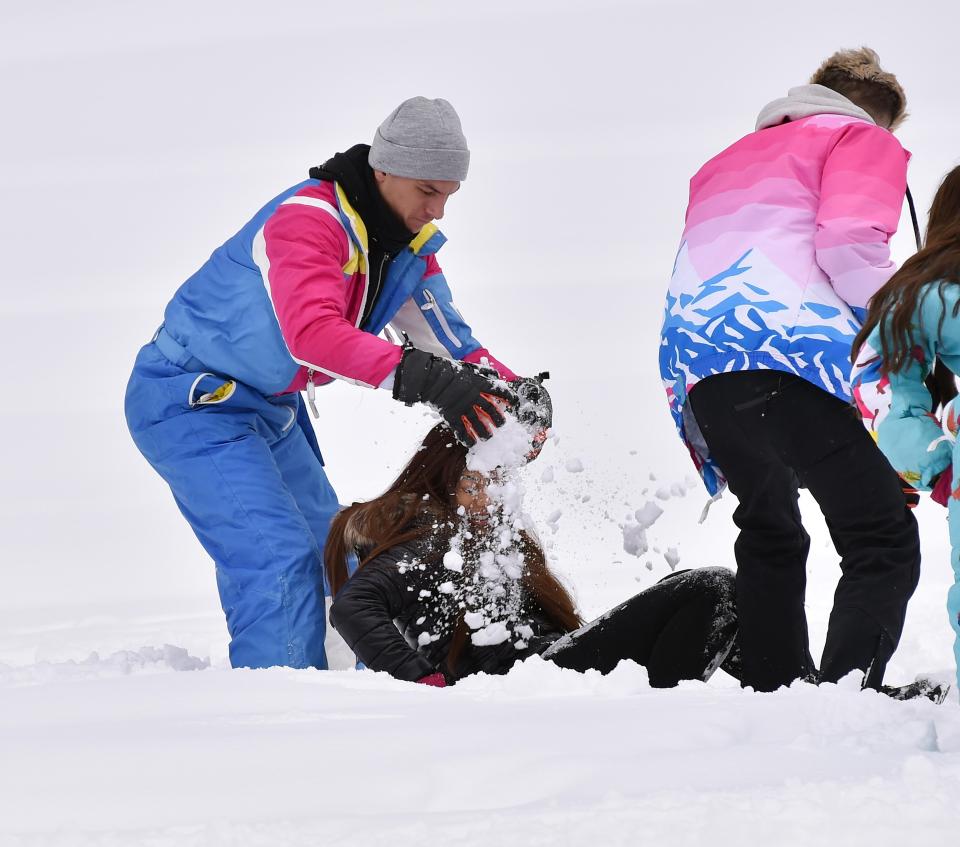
(857, 75)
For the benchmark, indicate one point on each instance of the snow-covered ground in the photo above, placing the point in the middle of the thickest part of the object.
(136, 139)
(119, 752)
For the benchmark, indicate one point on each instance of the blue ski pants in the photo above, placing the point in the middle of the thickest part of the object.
(246, 472)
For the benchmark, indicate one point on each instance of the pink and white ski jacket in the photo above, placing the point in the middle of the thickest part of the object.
(786, 241)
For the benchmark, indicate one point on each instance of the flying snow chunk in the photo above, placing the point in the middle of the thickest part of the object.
(474, 620)
(662, 493)
(647, 516)
(672, 557)
(547, 475)
(634, 539)
(446, 588)
(574, 466)
(453, 561)
(495, 633)
(424, 639)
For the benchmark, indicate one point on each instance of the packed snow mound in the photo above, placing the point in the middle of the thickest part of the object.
(120, 663)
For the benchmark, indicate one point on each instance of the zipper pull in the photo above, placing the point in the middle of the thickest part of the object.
(312, 395)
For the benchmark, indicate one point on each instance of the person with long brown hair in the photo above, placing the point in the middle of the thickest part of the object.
(913, 327)
(450, 583)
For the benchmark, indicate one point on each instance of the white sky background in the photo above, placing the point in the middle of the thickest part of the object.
(137, 137)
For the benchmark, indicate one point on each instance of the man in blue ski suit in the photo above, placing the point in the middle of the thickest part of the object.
(296, 299)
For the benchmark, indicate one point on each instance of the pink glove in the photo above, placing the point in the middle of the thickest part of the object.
(435, 679)
(943, 488)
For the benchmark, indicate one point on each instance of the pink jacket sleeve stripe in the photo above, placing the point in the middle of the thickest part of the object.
(304, 251)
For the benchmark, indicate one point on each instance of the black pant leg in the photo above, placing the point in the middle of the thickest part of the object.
(771, 549)
(680, 628)
(873, 530)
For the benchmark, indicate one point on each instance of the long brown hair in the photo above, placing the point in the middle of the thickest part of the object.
(894, 305)
(426, 488)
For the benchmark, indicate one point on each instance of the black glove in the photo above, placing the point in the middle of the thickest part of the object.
(534, 410)
(463, 394)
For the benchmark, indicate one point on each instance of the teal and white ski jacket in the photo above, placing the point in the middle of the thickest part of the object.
(896, 409)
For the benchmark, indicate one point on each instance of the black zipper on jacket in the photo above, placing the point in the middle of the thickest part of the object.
(375, 285)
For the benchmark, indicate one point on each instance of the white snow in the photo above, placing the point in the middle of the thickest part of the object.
(634, 539)
(648, 514)
(506, 448)
(141, 137)
(494, 633)
(453, 561)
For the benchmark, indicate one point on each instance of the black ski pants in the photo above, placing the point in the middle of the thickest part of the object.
(681, 628)
(770, 432)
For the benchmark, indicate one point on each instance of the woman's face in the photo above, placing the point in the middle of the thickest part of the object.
(471, 493)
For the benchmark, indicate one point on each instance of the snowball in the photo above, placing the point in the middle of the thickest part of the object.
(445, 588)
(507, 447)
(453, 561)
(662, 493)
(424, 639)
(474, 620)
(495, 633)
(574, 466)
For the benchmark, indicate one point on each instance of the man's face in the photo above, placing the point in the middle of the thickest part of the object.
(416, 202)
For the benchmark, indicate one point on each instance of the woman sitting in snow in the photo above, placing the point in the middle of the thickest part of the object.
(452, 583)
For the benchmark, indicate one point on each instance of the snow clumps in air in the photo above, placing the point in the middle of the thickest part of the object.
(636, 526)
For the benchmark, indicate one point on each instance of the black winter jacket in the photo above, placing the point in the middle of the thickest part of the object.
(399, 612)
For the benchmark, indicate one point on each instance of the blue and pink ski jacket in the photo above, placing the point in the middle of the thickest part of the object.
(278, 305)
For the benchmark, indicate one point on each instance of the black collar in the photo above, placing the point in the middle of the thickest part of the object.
(385, 230)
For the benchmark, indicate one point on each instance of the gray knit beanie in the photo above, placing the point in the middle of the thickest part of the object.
(421, 139)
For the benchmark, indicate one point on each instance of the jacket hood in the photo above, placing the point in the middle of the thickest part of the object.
(806, 100)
